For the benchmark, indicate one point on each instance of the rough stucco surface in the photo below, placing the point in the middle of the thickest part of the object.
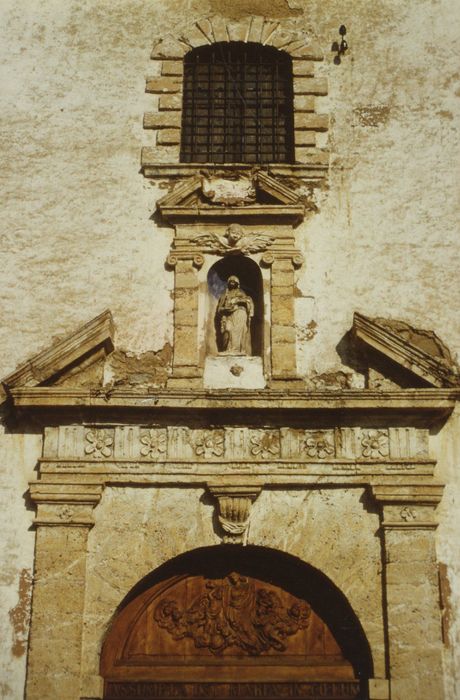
(77, 236)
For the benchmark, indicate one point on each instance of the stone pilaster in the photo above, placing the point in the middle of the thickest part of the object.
(64, 518)
(283, 337)
(186, 359)
(411, 590)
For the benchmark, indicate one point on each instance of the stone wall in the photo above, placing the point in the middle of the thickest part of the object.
(78, 236)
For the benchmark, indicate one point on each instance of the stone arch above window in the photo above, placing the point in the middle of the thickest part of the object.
(308, 155)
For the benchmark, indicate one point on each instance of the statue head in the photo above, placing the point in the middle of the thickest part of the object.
(233, 282)
(234, 234)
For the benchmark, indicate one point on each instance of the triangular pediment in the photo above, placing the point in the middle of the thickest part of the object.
(236, 194)
(410, 357)
(81, 353)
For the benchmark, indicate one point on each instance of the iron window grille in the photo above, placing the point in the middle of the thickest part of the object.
(237, 105)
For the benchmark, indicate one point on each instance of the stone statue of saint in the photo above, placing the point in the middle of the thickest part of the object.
(234, 312)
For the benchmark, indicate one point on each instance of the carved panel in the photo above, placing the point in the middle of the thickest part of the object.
(233, 612)
(246, 632)
(95, 443)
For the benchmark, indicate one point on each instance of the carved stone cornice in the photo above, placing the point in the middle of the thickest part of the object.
(65, 505)
(234, 506)
(408, 506)
(431, 369)
(423, 405)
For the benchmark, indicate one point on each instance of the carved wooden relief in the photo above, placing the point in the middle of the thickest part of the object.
(233, 612)
(193, 636)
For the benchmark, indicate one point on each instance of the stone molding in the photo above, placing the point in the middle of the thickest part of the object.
(64, 504)
(169, 53)
(424, 405)
(95, 335)
(234, 503)
(404, 353)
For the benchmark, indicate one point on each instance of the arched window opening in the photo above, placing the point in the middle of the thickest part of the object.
(238, 105)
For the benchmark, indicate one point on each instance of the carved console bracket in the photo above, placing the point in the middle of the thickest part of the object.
(234, 506)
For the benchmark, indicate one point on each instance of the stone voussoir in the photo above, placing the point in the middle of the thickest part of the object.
(170, 102)
(163, 84)
(311, 122)
(173, 68)
(168, 137)
(310, 86)
(156, 120)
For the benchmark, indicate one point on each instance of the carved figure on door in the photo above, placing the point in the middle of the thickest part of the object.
(234, 312)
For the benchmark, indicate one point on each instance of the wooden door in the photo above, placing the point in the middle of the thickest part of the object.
(235, 636)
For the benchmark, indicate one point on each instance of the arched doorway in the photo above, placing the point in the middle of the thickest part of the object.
(228, 622)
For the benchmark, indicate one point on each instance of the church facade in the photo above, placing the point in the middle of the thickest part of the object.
(230, 422)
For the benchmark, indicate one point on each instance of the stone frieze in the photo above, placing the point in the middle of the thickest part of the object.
(96, 444)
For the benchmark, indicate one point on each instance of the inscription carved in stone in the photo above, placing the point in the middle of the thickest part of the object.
(234, 612)
(339, 690)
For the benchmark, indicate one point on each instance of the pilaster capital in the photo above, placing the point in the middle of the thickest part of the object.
(196, 259)
(408, 506)
(65, 504)
(292, 256)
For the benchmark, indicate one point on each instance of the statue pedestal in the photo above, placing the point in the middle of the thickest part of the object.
(233, 372)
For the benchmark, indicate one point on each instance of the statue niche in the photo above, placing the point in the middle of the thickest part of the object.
(236, 308)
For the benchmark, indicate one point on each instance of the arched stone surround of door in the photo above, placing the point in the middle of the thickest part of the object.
(236, 620)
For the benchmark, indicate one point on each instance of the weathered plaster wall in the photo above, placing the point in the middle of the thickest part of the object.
(77, 229)
(18, 455)
(77, 236)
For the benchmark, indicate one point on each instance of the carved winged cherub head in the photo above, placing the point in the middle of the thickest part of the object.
(233, 234)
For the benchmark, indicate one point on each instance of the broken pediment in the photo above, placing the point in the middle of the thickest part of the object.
(77, 358)
(399, 355)
(233, 194)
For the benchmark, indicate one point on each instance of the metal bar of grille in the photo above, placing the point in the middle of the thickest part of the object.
(238, 105)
